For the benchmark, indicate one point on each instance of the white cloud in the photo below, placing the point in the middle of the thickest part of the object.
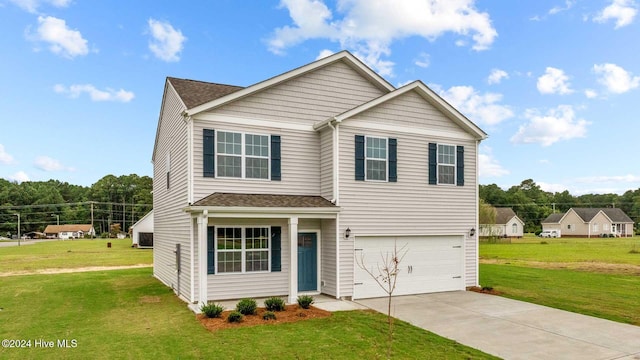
(622, 11)
(5, 157)
(557, 124)
(553, 188)
(590, 93)
(48, 164)
(166, 42)
(61, 39)
(496, 76)
(20, 176)
(568, 4)
(33, 5)
(608, 179)
(554, 81)
(324, 53)
(423, 60)
(74, 91)
(488, 166)
(483, 108)
(616, 79)
(370, 26)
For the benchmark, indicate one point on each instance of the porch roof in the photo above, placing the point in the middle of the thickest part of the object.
(237, 204)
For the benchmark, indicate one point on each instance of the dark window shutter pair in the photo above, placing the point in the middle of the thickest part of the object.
(433, 164)
(393, 159)
(209, 155)
(276, 249)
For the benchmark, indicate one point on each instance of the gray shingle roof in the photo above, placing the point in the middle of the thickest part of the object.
(553, 218)
(615, 214)
(263, 200)
(194, 93)
(504, 214)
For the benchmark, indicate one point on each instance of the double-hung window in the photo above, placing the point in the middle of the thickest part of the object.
(376, 158)
(446, 164)
(242, 249)
(242, 155)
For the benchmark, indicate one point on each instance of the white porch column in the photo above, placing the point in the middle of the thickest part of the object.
(293, 260)
(202, 258)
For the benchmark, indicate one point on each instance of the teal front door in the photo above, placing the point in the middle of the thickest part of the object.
(307, 262)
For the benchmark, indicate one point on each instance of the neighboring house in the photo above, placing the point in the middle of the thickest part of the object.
(590, 222)
(142, 232)
(507, 224)
(69, 231)
(278, 188)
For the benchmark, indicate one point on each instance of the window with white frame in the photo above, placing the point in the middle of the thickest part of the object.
(446, 164)
(595, 227)
(242, 156)
(376, 158)
(605, 227)
(241, 249)
(514, 228)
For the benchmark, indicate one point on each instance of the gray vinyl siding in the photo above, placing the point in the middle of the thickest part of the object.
(309, 98)
(326, 164)
(171, 224)
(263, 284)
(328, 266)
(410, 206)
(300, 159)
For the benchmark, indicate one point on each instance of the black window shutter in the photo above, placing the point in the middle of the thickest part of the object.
(276, 248)
(275, 158)
(211, 268)
(433, 163)
(360, 157)
(460, 166)
(208, 153)
(393, 160)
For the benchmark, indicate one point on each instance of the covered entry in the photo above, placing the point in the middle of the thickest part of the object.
(431, 264)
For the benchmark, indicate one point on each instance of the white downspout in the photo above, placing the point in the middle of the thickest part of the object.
(477, 243)
(336, 196)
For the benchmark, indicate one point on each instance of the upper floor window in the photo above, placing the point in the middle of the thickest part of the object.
(446, 164)
(239, 155)
(242, 155)
(376, 158)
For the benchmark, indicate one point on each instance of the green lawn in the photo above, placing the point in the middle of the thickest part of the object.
(129, 314)
(72, 254)
(610, 250)
(598, 277)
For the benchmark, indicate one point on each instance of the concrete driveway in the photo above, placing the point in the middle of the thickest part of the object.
(514, 329)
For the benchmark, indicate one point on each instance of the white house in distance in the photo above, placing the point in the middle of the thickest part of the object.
(69, 231)
(277, 188)
(590, 222)
(142, 232)
(507, 224)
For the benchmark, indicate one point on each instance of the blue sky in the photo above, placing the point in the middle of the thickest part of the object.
(555, 83)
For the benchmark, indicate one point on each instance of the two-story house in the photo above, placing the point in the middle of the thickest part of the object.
(283, 187)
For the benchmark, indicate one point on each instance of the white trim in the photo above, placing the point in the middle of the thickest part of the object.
(369, 125)
(267, 212)
(192, 260)
(239, 120)
(190, 159)
(343, 55)
(477, 225)
(337, 222)
(293, 259)
(203, 292)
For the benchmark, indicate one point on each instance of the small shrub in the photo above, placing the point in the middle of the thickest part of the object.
(235, 317)
(247, 306)
(304, 301)
(544, 243)
(269, 315)
(487, 288)
(212, 310)
(274, 304)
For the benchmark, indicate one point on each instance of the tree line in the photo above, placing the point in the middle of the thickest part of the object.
(111, 200)
(533, 205)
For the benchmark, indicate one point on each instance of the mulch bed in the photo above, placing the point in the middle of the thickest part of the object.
(483, 290)
(292, 313)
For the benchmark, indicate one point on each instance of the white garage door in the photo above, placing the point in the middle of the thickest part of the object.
(431, 264)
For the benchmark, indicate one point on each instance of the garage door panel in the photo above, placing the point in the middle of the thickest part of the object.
(431, 264)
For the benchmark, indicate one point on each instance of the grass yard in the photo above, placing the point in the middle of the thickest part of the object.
(129, 314)
(72, 254)
(598, 277)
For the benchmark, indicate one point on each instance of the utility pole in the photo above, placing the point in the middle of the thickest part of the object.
(94, 229)
(18, 215)
(57, 218)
